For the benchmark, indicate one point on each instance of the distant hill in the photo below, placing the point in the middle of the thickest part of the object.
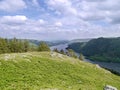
(79, 40)
(77, 46)
(50, 43)
(52, 71)
(101, 49)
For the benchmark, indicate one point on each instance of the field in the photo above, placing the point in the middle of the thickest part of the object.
(51, 71)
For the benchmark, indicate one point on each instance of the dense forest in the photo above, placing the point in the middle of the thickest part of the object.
(101, 49)
(77, 46)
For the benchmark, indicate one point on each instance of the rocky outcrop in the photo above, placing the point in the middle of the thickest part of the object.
(108, 87)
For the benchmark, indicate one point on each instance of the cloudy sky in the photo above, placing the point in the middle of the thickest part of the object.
(59, 19)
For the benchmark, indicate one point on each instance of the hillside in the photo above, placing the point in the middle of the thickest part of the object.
(100, 49)
(50, 43)
(37, 42)
(51, 71)
(77, 46)
(80, 40)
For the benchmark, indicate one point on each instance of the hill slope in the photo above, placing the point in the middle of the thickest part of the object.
(43, 71)
(100, 49)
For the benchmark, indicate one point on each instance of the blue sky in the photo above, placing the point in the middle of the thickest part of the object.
(59, 19)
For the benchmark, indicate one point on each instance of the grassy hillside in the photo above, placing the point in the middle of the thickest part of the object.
(41, 71)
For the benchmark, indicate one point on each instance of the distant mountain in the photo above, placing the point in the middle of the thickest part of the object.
(80, 40)
(50, 43)
(57, 42)
(34, 42)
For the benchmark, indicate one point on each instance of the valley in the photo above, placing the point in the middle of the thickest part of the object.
(111, 66)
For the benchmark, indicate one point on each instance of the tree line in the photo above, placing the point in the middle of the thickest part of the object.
(18, 46)
(13, 45)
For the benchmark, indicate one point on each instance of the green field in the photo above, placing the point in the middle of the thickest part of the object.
(41, 71)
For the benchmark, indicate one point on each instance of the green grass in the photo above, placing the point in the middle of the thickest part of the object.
(40, 71)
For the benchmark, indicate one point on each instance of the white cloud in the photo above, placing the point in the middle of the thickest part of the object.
(63, 6)
(12, 6)
(110, 5)
(13, 19)
(58, 24)
(42, 21)
(64, 19)
(35, 2)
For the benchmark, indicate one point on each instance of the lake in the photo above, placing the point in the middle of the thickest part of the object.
(59, 47)
(111, 66)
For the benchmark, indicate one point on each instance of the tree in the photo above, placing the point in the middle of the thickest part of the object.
(56, 50)
(13, 45)
(81, 57)
(71, 53)
(43, 47)
(26, 46)
(3, 46)
(33, 48)
(62, 51)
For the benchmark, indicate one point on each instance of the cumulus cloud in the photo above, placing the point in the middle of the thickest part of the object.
(110, 5)
(41, 21)
(62, 19)
(63, 6)
(11, 6)
(13, 19)
(35, 2)
(58, 24)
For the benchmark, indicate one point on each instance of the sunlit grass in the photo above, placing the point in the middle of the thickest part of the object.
(40, 71)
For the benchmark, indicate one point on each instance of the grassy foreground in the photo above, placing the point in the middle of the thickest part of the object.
(41, 71)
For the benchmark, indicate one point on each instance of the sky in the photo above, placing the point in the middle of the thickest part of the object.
(59, 19)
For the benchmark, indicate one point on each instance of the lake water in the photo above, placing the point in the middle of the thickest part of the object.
(111, 66)
(59, 47)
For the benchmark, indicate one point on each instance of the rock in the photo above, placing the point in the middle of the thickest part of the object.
(108, 87)
(106, 71)
(52, 54)
(98, 66)
(7, 57)
(60, 56)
